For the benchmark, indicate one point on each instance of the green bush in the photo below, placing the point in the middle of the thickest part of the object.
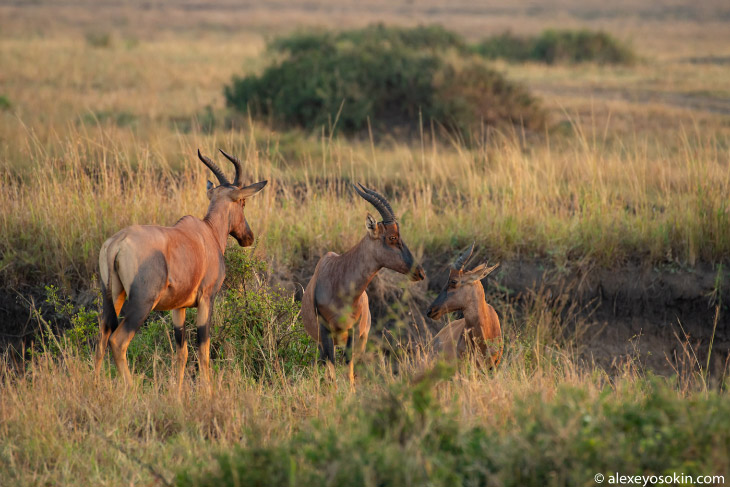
(432, 37)
(83, 325)
(506, 46)
(99, 39)
(257, 325)
(404, 438)
(381, 77)
(558, 46)
(5, 104)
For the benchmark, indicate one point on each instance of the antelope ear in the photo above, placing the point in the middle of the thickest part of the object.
(478, 273)
(248, 191)
(208, 186)
(372, 226)
(209, 189)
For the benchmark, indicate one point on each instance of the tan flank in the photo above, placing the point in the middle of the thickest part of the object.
(480, 325)
(335, 298)
(172, 268)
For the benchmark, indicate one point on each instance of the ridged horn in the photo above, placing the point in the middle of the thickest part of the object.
(461, 261)
(237, 165)
(213, 167)
(381, 198)
(380, 203)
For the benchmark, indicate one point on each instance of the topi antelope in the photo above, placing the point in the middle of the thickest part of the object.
(172, 268)
(480, 325)
(335, 300)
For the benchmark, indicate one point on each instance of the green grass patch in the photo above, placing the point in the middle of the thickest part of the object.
(558, 46)
(5, 104)
(405, 438)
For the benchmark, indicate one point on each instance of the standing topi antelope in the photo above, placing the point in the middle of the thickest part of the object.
(335, 300)
(480, 325)
(172, 268)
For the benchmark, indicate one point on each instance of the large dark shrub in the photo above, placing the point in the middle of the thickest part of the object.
(388, 77)
(558, 46)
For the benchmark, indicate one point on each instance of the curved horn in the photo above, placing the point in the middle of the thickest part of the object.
(212, 166)
(461, 261)
(381, 198)
(376, 202)
(237, 165)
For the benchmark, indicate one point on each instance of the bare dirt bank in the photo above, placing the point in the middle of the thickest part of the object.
(645, 313)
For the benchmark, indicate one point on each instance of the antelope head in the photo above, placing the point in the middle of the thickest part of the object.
(460, 289)
(384, 240)
(233, 195)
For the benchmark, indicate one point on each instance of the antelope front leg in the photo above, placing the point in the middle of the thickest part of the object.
(327, 352)
(350, 358)
(205, 309)
(178, 321)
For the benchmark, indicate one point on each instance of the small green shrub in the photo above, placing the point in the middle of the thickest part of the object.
(257, 325)
(120, 119)
(152, 342)
(83, 331)
(431, 37)
(382, 78)
(558, 46)
(99, 39)
(405, 438)
(506, 46)
(5, 103)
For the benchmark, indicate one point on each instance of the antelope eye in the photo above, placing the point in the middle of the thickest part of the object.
(452, 282)
(393, 238)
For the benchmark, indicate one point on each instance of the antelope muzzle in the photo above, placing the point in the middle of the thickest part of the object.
(438, 308)
(417, 274)
(245, 238)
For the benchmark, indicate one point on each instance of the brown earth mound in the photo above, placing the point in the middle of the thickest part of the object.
(665, 319)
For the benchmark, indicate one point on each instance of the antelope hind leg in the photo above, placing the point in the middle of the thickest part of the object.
(108, 323)
(350, 359)
(204, 311)
(327, 351)
(181, 343)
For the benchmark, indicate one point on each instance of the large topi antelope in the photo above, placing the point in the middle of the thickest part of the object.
(335, 300)
(172, 268)
(480, 325)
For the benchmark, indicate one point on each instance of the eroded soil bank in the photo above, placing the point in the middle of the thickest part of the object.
(666, 319)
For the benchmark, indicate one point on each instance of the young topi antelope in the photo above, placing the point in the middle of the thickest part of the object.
(335, 300)
(172, 268)
(480, 325)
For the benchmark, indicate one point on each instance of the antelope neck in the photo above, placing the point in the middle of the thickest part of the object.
(217, 220)
(476, 312)
(358, 267)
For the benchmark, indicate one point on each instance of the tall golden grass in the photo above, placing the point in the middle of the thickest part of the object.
(579, 200)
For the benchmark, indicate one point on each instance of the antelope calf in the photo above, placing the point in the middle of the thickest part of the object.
(480, 325)
(335, 300)
(172, 268)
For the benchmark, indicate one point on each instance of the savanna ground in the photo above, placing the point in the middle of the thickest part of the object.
(613, 229)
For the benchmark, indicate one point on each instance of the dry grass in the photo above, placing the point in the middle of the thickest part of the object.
(59, 426)
(584, 200)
